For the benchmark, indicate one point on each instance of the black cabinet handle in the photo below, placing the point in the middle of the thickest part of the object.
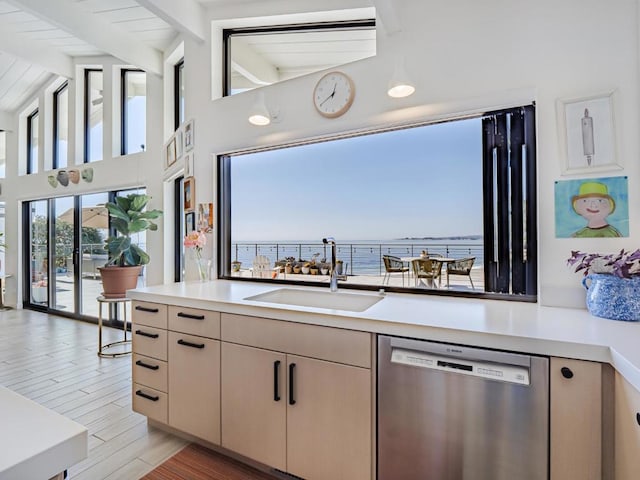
(153, 398)
(188, 315)
(638, 418)
(276, 381)
(189, 344)
(146, 309)
(140, 363)
(292, 400)
(147, 334)
(566, 372)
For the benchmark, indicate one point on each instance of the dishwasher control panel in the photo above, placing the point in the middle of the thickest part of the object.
(502, 372)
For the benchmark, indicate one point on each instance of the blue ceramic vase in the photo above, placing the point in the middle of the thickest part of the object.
(613, 297)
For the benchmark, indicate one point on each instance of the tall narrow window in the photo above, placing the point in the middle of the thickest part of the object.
(93, 125)
(32, 142)
(178, 111)
(134, 111)
(60, 126)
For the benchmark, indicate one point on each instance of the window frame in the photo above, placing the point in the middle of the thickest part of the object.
(178, 85)
(524, 288)
(227, 33)
(123, 108)
(56, 126)
(87, 88)
(30, 165)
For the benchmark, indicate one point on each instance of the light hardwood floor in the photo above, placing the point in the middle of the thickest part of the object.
(52, 360)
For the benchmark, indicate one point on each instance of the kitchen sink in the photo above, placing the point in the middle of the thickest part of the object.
(353, 302)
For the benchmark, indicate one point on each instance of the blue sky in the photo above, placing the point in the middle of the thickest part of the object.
(416, 182)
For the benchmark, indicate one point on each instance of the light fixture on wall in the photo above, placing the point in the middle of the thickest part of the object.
(259, 114)
(400, 85)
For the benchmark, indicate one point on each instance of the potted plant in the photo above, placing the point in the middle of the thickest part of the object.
(128, 216)
(612, 282)
(306, 267)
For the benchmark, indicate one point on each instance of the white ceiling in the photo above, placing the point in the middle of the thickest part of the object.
(40, 39)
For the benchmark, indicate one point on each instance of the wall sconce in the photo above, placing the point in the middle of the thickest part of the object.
(259, 114)
(400, 85)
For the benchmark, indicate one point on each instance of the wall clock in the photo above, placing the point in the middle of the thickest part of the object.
(333, 94)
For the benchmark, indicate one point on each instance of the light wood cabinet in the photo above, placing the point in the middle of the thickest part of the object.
(581, 431)
(309, 417)
(194, 385)
(627, 427)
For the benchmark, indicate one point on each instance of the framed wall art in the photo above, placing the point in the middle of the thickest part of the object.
(188, 164)
(189, 222)
(189, 188)
(170, 152)
(189, 137)
(586, 134)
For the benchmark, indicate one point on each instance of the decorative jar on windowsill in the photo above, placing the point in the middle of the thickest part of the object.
(612, 283)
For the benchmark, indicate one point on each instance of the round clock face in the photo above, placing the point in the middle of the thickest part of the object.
(333, 94)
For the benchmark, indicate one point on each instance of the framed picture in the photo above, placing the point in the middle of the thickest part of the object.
(170, 152)
(189, 194)
(189, 222)
(587, 134)
(189, 135)
(205, 216)
(179, 143)
(188, 164)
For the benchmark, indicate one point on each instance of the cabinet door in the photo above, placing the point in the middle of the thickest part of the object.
(194, 385)
(254, 403)
(576, 443)
(328, 420)
(627, 413)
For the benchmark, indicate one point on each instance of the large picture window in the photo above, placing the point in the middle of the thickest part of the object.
(93, 108)
(32, 142)
(440, 208)
(60, 126)
(134, 111)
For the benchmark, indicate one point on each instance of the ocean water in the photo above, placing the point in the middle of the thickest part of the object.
(361, 257)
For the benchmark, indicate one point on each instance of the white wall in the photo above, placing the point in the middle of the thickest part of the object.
(463, 56)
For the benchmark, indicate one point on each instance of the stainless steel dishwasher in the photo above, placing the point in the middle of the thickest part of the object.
(449, 412)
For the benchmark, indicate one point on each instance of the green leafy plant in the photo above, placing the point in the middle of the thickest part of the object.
(128, 217)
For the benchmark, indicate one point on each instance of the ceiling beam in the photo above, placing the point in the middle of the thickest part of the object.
(186, 16)
(386, 13)
(6, 121)
(250, 64)
(96, 31)
(37, 52)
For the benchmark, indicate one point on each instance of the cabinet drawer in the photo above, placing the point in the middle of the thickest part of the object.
(149, 341)
(150, 372)
(203, 323)
(150, 314)
(149, 402)
(325, 343)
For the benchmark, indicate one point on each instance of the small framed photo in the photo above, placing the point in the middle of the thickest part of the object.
(189, 137)
(189, 222)
(189, 188)
(205, 217)
(179, 143)
(170, 152)
(188, 164)
(587, 135)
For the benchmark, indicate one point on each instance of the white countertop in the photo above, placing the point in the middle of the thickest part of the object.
(36, 442)
(506, 325)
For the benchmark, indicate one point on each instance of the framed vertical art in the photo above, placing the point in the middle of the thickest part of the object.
(170, 152)
(179, 143)
(189, 189)
(189, 137)
(189, 222)
(188, 164)
(205, 216)
(586, 134)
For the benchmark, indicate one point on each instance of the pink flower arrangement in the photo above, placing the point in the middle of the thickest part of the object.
(196, 240)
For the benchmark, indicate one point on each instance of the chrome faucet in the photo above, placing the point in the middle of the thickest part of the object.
(333, 274)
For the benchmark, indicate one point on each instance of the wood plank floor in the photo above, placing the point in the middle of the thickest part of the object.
(52, 360)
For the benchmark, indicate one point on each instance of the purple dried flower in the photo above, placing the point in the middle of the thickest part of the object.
(624, 264)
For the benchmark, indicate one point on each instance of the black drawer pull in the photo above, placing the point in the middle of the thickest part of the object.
(189, 344)
(276, 381)
(292, 400)
(140, 363)
(638, 418)
(189, 315)
(153, 398)
(566, 372)
(147, 334)
(146, 309)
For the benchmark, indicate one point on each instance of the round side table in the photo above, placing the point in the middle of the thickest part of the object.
(101, 348)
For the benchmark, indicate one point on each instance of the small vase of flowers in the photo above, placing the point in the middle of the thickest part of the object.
(196, 240)
(612, 282)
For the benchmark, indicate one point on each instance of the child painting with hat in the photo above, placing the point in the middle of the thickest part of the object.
(594, 203)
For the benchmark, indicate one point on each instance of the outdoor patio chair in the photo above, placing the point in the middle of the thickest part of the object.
(427, 269)
(461, 267)
(393, 265)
